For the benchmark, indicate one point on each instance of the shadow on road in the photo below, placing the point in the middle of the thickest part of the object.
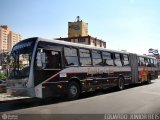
(33, 102)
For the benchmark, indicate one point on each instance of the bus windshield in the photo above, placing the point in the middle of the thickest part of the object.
(20, 60)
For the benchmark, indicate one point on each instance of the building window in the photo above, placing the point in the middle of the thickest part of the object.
(81, 40)
(85, 57)
(108, 58)
(68, 40)
(96, 57)
(71, 56)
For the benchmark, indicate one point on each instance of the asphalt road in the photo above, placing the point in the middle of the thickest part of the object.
(138, 99)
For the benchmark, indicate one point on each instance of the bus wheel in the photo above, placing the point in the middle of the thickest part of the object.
(121, 83)
(73, 90)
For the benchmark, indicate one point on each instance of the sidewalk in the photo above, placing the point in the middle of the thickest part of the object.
(7, 97)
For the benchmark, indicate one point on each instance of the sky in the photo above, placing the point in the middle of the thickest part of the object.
(132, 25)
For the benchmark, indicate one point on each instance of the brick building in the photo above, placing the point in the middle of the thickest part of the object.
(78, 33)
(87, 40)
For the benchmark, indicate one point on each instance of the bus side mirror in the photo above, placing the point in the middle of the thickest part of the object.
(41, 60)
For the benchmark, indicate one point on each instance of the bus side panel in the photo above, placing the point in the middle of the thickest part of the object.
(90, 78)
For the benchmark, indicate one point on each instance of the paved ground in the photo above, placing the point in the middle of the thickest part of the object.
(141, 99)
(7, 97)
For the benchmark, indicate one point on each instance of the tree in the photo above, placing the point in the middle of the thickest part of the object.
(2, 75)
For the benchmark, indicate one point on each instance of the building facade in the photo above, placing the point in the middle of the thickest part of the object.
(8, 38)
(78, 33)
(4, 31)
(77, 28)
(87, 40)
(13, 38)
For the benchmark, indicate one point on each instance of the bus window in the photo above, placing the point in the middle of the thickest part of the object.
(147, 62)
(71, 56)
(158, 64)
(52, 59)
(85, 57)
(108, 59)
(125, 60)
(141, 61)
(152, 63)
(155, 63)
(96, 57)
(117, 60)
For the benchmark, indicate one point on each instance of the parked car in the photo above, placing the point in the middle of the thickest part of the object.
(2, 86)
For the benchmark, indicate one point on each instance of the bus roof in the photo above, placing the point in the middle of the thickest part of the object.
(80, 45)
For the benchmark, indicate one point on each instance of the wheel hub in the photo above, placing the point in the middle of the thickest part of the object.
(73, 90)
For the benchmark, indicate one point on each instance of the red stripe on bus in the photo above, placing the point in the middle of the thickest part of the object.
(62, 73)
(51, 77)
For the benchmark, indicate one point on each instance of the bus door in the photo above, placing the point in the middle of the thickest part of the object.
(134, 67)
(48, 63)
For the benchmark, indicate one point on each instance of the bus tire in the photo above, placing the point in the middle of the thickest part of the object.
(121, 83)
(73, 90)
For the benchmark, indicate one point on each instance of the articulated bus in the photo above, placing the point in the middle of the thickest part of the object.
(47, 68)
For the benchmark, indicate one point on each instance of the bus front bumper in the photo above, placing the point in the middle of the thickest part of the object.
(28, 92)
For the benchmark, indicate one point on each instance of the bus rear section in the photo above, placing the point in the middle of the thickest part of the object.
(147, 68)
